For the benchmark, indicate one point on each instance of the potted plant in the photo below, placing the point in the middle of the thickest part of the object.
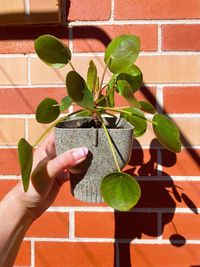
(95, 124)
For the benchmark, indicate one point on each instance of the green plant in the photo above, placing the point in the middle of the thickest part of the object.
(95, 98)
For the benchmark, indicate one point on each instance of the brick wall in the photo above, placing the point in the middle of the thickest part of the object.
(163, 230)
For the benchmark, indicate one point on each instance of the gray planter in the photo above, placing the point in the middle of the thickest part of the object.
(86, 178)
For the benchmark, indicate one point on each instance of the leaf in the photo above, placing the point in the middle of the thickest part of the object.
(120, 191)
(137, 119)
(47, 111)
(110, 98)
(130, 79)
(147, 107)
(78, 90)
(52, 51)
(167, 132)
(122, 52)
(25, 155)
(65, 103)
(92, 76)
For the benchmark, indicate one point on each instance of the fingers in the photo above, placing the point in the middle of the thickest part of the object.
(66, 160)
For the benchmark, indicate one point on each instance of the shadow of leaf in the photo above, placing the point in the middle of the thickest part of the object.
(189, 203)
(177, 240)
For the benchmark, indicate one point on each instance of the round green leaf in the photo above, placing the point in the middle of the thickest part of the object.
(129, 81)
(47, 111)
(137, 119)
(65, 103)
(167, 132)
(147, 107)
(122, 52)
(120, 191)
(78, 90)
(25, 155)
(52, 51)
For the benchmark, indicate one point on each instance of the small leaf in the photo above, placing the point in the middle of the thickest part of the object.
(137, 119)
(110, 98)
(52, 51)
(122, 52)
(120, 191)
(78, 90)
(92, 76)
(147, 107)
(25, 155)
(47, 111)
(65, 103)
(167, 132)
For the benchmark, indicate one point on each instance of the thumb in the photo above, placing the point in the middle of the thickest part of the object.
(66, 160)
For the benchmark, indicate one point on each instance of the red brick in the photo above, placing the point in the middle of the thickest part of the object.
(184, 163)
(20, 40)
(181, 37)
(63, 254)
(156, 9)
(24, 255)
(96, 38)
(57, 223)
(80, 11)
(6, 186)
(26, 100)
(9, 162)
(127, 225)
(181, 99)
(142, 255)
(186, 225)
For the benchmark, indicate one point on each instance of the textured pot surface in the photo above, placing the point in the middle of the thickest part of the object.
(86, 178)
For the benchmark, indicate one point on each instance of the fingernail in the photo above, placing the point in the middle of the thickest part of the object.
(80, 153)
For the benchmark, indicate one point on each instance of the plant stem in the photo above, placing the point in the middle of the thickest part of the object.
(53, 125)
(71, 65)
(126, 112)
(110, 142)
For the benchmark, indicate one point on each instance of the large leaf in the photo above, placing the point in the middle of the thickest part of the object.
(65, 103)
(137, 119)
(52, 51)
(78, 90)
(25, 155)
(167, 132)
(147, 107)
(122, 52)
(120, 191)
(47, 111)
(92, 76)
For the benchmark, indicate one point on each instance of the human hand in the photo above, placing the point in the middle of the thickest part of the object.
(48, 174)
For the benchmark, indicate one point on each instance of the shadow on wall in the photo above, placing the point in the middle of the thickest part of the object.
(156, 194)
(158, 197)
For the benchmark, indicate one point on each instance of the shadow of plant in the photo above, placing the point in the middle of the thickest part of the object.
(156, 207)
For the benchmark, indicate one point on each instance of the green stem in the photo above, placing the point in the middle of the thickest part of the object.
(53, 125)
(126, 112)
(110, 142)
(71, 65)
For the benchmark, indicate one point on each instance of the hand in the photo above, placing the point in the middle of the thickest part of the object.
(48, 174)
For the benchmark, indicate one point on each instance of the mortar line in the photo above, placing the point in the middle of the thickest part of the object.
(159, 38)
(71, 224)
(112, 15)
(110, 240)
(32, 253)
(135, 22)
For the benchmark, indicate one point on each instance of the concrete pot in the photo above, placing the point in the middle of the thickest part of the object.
(86, 178)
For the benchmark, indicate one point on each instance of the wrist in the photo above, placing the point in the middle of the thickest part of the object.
(17, 209)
